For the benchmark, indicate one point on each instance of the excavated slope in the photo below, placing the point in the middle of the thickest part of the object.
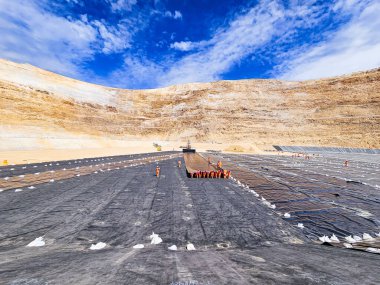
(340, 111)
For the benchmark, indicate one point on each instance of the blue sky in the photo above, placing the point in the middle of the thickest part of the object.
(146, 44)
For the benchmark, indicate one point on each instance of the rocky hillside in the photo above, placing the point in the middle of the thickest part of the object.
(340, 111)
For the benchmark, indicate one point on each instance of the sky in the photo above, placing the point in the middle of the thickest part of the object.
(139, 44)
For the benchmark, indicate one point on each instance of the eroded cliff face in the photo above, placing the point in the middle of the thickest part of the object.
(341, 111)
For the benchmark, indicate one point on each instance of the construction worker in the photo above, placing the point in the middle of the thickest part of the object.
(224, 173)
(179, 163)
(228, 174)
(157, 171)
(219, 164)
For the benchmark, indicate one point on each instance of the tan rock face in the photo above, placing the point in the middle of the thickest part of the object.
(342, 111)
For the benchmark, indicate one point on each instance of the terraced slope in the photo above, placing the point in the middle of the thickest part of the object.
(39, 107)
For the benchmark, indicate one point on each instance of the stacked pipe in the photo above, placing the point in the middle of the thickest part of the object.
(220, 173)
(198, 167)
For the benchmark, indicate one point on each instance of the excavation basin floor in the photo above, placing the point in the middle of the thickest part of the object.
(237, 239)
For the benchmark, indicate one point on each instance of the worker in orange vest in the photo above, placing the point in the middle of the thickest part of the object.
(219, 164)
(157, 171)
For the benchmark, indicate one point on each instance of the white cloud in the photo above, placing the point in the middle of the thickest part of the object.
(137, 72)
(84, 18)
(33, 35)
(73, 1)
(349, 5)
(353, 47)
(271, 26)
(122, 5)
(29, 33)
(175, 15)
(183, 46)
(43, 39)
(247, 33)
(227, 46)
(114, 39)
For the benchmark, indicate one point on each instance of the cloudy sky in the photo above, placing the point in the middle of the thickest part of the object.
(154, 43)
